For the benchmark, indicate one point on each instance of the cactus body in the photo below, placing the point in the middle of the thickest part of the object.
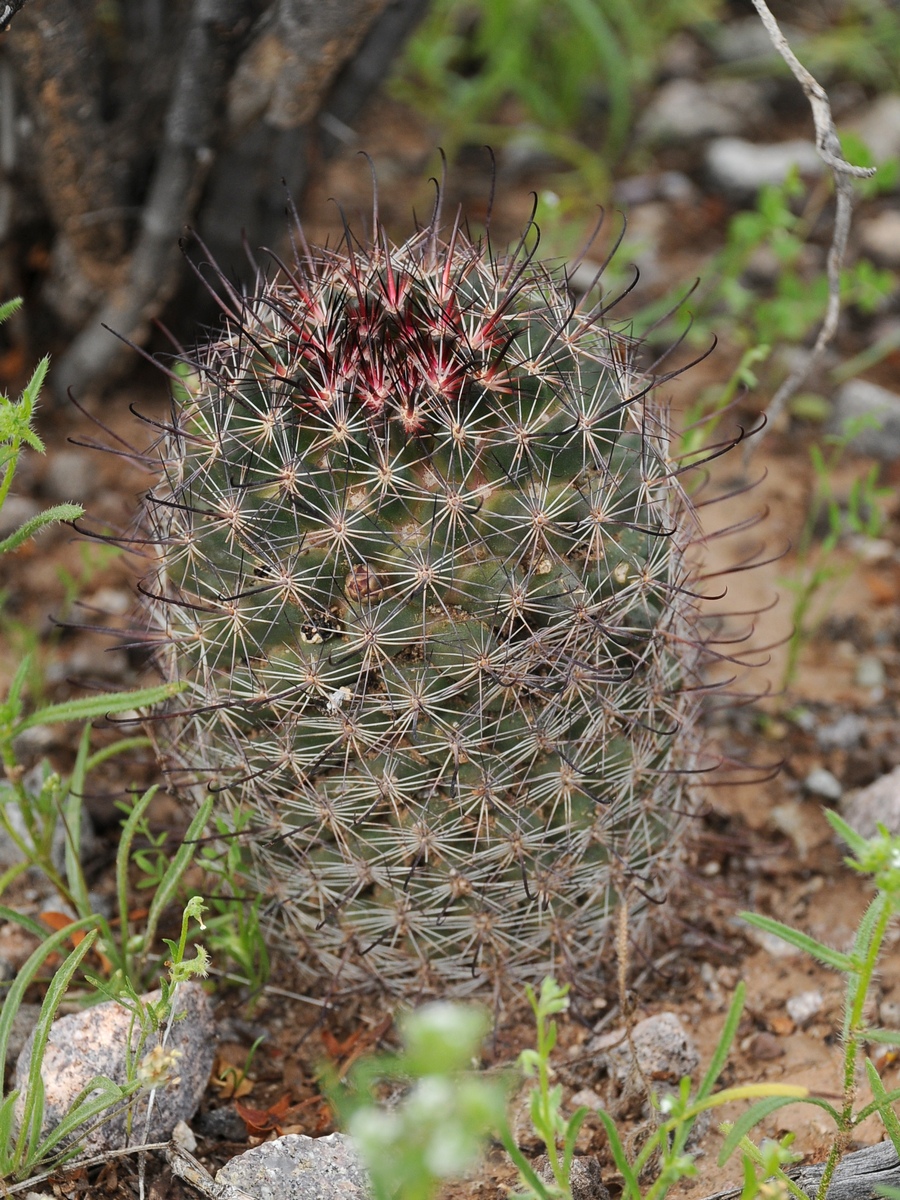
(421, 555)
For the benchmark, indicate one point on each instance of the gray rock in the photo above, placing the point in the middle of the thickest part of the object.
(70, 475)
(857, 399)
(742, 167)
(870, 672)
(657, 185)
(879, 237)
(843, 734)
(296, 1167)
(15, 512)
(91, 1043)
(683, 110)
(879, 127)
(585, 1177)
(804, 1006)
(821, 782)
(665, 1050)
(878, 803)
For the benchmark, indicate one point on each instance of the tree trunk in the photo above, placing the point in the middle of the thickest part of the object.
(124, 123)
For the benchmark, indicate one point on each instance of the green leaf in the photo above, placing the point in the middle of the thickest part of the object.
(824, 954)
(99, 706)
(59, 512)
(885, 1111)
(758, 1112)
(9, 307)
(632, 1187)
(884, 1037)
(33, 1107)
(26, 976)
(845, 832)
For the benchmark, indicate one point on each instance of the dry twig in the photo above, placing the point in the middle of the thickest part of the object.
(844, 173)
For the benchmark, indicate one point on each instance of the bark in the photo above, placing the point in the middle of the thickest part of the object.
(147, 116)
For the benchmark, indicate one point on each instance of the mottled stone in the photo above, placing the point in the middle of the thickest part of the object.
(665, 1050)
(296, 1167)
(585, 1177)
(93, 1042)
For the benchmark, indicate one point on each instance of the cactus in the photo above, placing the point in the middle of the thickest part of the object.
(422, 554)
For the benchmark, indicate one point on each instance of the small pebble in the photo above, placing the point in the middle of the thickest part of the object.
(743, 167)
(859, 398)
(843, 734)
(765, 1046)
(879, 803)
(880, 237)
(587, 1098)
(804, 1006)
(585, 1177)
(821, 782)
(870, 672)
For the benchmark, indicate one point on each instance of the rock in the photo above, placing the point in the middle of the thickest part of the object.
(765, 1046)
(746, 38)
(70, 475)
(683, 110)
(879, 127)
(665, 1051)
(16, 511)
(742, 167)
(879, 237)
(877, 804)
(804, 824)
(804, 1006)
(587, 1098)
(857, 399)
(92, 1043)
(821, 782)
(843, 734)
(673, 186)
(870, 672)
(585, 1177)
(296, 1167)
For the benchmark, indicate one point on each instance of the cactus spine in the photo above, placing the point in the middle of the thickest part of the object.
(421, 553)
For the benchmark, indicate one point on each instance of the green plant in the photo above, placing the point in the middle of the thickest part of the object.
(879, 857)
(568, 64)
(438, 1127)
(664, 1151)
(860, 515)
(41, 815)
(26, 1145)
(422, 562)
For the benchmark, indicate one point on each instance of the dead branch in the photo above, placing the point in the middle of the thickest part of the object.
(182, 164)
(844, 173)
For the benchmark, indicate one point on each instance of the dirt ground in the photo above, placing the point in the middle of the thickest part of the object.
(763, 846)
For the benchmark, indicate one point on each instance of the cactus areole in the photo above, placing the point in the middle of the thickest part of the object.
(422, 556)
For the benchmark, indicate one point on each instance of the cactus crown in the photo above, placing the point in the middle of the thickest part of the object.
(420, 552)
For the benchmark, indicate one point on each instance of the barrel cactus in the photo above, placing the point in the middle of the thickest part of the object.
(422, 556)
